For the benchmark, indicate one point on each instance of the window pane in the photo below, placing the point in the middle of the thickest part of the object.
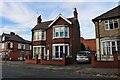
(42, 50)
(108, 50)
(61, 34)
(35, 50)
(56, 34)
(38, 52)
(113, 47)
(111, 24)
(115, 23)
(108, 43)
(61, 51)
(106, 24)
(104, 49)
(56, 52)
(43, 35)
(118, 46)
(66, 50)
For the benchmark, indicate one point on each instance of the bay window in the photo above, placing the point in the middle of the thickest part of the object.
(38, 50)
(59, 50)
(39, 35)
(109, 47)
(61, 31)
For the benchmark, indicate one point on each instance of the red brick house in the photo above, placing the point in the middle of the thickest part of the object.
(56, 41)
(14, 46)
(90, 44)
(107, 27)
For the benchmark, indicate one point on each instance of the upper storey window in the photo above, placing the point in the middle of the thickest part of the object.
(39, 35)
(61, 31)
(111, 24)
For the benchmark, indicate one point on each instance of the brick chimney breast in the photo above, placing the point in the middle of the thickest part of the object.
(39, 20)
(75, 13)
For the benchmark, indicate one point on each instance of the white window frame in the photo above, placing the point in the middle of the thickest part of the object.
(53, 50)
(11, 44)
(108, 23)
(40, 50)
(116, 47)
(59, 26)
(39, 36)
(19, 45)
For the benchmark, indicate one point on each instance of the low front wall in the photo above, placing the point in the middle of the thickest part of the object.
(115, 63)
(64, 61)
(31, 61)
(55, 62)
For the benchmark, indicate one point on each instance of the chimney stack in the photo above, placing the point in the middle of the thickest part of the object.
(39, 20)
(75, 13)
(12, 33)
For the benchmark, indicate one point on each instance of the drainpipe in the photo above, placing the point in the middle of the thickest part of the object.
(99, 39)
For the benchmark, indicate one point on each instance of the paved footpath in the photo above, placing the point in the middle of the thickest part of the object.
(72, 68)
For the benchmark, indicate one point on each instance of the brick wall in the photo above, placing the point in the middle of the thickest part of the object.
(115, 63)
(91, 43)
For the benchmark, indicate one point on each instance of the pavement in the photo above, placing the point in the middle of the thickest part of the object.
(72, 68)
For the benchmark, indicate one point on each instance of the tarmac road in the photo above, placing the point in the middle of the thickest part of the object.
(21, 72)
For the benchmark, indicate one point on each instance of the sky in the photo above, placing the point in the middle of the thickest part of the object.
(19, 16)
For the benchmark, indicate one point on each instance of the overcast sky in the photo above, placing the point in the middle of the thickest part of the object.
(20, 16)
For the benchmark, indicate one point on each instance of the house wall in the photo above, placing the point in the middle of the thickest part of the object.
(108, 33)
(101, 32)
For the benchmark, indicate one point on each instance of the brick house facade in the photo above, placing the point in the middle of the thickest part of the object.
(107, 27)
(15, 47)
(56, 40)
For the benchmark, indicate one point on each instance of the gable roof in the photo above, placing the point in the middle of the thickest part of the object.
(45, 25)
(115, 12)
(57, 19)
(15, 38)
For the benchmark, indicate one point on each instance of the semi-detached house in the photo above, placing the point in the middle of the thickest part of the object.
(107, 27)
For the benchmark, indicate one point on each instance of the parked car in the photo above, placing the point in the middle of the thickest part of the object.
(83, 56)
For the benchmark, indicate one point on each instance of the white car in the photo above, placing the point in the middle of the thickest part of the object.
(83, 56)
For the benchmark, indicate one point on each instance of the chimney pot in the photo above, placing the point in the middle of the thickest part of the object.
(12, 33)
(39, 20)
(75, 13)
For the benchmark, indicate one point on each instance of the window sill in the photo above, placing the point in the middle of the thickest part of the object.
(60, 37)
(57, 58)
(39, 40)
